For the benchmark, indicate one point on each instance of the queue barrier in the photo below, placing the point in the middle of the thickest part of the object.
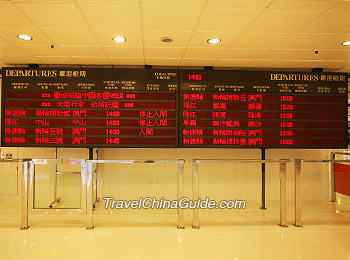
(298, 182)
(28, 190)
(283, 184)
(87, 170)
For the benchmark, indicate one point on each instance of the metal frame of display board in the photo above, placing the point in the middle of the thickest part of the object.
(283, 183)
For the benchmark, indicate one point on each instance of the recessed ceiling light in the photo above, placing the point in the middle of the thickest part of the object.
(24, 37)
(167, 39)
(119, 39)
(347, 43)
(214, 41)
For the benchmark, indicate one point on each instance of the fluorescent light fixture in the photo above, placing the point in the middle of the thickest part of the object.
(24, 37)
(347, 43)
(119, 39)
(214, 41)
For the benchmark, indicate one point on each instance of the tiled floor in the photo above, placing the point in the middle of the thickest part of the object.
(253, 235)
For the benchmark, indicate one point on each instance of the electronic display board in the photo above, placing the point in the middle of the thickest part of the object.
(89, 107)
(263, 109)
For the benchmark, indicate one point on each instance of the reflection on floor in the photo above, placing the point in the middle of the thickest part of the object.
(223, 235)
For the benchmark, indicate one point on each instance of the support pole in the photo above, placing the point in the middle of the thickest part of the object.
(263, 199)
(333, 194)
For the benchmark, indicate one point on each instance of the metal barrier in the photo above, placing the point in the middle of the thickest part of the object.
(28, 190)
(283, 185)
(87, 171)
(298, 183)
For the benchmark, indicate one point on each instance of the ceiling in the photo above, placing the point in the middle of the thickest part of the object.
(264, 34)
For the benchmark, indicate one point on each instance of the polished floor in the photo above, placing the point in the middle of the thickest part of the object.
(234, 236)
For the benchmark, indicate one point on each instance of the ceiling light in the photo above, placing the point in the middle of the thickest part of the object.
(213, 41)
(24, 37)
(347, 43)
(167, 39)
(119, 39)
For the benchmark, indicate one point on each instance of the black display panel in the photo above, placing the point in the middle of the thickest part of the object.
(263, 109)
(89, 108)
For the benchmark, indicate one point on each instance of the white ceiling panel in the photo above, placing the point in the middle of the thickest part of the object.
(53, 15)
(71, 36)
(170, 18)
(336, 64)
(175, 3)
(302, 4)
(233, 63)
(127, 61)
(105, 36)
(169, 52)
(123, 51)
(41, 50)
(162, 61)
(266, 63)
(199, 39)
(283, 21)
(244, 54)
(331, 21)
(239, 3)
(342, 5)
(204, 53)
(112, 16)
(44, 1)
(10, 34)
(260, 40)
(82, 50)
(91, 60)
(224, 19)
(7, 14)
(306, 41)
(197, 62)
(54, 60)
(303, 64)
(14, 60)
(288, 54)
(8, 51)
(109, 2)
(153, 38)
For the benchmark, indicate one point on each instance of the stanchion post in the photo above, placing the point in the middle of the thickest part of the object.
(333, 194)
(180, 194)
(24, 196)
(297, 193)
(195, 193)
(87, 169)
(283, 195)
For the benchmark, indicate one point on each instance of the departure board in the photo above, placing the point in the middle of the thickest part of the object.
(89, 107)
(263, 109)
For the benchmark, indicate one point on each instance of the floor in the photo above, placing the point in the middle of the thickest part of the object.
(243, 235)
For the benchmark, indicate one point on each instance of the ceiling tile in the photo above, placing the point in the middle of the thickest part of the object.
(8, 12)
(71, 36)
(302, 64)
(324, 54)
(306, 41)
(109, 2)
(162, 61)
(336, 43)
(41, 50)
(287, 54)
(331, 21)
(54, 60)
(265, 63)
(127, 61)
(199, 39)
(239, 3)
(24, 59)
(223, 19)
(7, 50)
(53, 15)
(283, 21)
(341, 5)
(176, 3)
(169, 52)
(198, 62)
(82, 50)
(112, 16)
(244, 54)
(260, 40)
(170, 18)
(44, 1)
(336, 64)
(91, 60)
(153, 38)
(302, 4)
(233, 63)
(204, 53)
(123, 51)
(133, 37)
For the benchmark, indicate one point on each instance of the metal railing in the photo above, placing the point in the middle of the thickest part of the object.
(283, 185)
